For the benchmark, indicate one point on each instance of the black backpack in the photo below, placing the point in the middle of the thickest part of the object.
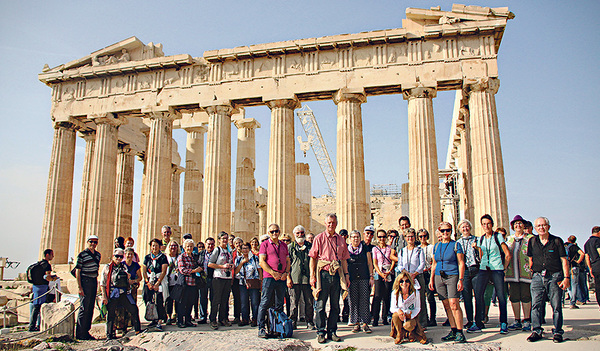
(35, 273)
(119, 277)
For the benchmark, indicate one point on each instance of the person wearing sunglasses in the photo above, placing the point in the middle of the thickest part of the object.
(448, 266)
(412, 260)
(298, 282)
(384, 278)
(406, 308)
(468, 242)
(86, 272)
(423, 236)
(221, 261)
(360, 267)
(116, 293)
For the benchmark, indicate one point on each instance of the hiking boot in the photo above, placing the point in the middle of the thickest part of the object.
(460, 337)
(450, 337)
(557, 338)
(334, 337)
(214, 325)
(321, 339)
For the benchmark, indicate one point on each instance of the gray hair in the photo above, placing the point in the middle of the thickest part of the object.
(166, 227)
(545, 219)
(331, 215)
(186, 241)
(354, 232)
(237, 238)
(463, 222)
(298, 228)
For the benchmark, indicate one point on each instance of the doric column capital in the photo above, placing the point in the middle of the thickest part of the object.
(107, 118)
(167, 116)
(488, 84)
(177, 169)
(197, 129)
(286, 103)
(419, 92)
(220, 110)
(125, 149)
(64, 125)
(87, 135)
(344, 95)
(248, 123)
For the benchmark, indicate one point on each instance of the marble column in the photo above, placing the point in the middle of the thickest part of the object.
(245, 218)
(101, 219)
(281, 204)
(489, 187)
(90, 140)
(261, 209)
(423, 176)
(465, 189)
(216, 201)
(157, 194)
(193, 184)
(59, 195)
(140, 246)
(351, 199)
(175, 195)
(124, 193)
(303, 195)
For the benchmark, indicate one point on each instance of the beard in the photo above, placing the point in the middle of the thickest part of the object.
(301, 241)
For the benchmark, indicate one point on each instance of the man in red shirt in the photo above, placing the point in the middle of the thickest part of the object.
(328, 275)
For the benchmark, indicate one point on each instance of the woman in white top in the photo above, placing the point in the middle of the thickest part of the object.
(423, 236)
(172, 253)
(405, 308)
(412, 260)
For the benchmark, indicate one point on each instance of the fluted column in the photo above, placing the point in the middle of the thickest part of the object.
(57, 215)
(303, 195)
(489, 187)
(466, 188)
(175, 195)
(157, 194)
(351, 198)
(423, 176)
(101, 219)
(90, 142)
(261, 209)
(245, 217)
(216, 202)
(193, 184)
(139, 244)
(281, 203)
(124, 193)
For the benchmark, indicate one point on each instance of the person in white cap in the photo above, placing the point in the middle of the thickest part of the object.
(86, 272)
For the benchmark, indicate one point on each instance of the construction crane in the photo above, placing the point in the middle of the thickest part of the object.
(315, 140)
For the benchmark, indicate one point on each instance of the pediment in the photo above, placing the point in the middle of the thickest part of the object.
(130, 49)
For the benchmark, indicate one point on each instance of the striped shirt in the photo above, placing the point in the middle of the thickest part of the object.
(89, 263)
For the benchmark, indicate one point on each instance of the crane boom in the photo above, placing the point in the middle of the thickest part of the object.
(311, 128)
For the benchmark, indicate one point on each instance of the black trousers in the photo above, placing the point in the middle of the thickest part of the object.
(219, 299)
(86, 311)
(121, 301)
(184, 306)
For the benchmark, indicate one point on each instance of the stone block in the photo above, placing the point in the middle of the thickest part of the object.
(53, 313)
(10, 320)
(3, 300)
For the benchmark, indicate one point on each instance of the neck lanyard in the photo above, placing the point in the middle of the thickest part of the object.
(444, 253)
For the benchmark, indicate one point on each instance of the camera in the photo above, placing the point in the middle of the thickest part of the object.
(279, 266)
(227, 273)
(443, 274)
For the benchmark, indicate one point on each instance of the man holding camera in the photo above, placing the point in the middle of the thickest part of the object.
(275, 261)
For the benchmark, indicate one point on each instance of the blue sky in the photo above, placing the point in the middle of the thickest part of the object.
(548, 121)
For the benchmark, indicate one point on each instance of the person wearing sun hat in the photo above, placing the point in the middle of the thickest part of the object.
(518, 275)
(86, 272)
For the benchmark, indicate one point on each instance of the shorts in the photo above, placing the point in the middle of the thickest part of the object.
(446, 288)
(519, 292)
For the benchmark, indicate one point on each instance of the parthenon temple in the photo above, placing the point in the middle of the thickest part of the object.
(125, 100)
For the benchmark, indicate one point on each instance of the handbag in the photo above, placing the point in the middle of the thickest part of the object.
(252, 283)
(151, 310)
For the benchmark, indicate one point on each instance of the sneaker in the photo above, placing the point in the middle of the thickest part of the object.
(334, 337)
(446, 323)
(432, 323)
(574, 307)
(503, 328)
(450, 337)
(469, 325)
(214, 325)
(460, 338)
(310, 326)
(191, 325)
(366, 328)
(236, 321)
(159, 327)
(321, 338)
(356, 328)
(557, 338)
(180, 325)
(375, 323)
(350, 324)
(226, 323)
(527, 326)
(262, 333)
(515, 326)
(474, 329)
(534, 337)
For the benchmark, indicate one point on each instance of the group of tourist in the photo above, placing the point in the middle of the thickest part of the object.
(400, 270)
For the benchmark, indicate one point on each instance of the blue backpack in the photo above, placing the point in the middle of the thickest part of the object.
(278, 324)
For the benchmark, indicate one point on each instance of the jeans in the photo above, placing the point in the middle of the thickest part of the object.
(497, 277)
(86, 311)
(574, 288)
(203, 291)
(270, 287)
(467, 293)
(219, 299)
(540, 288)
(295, 291)
(330, 289)
(249, 297)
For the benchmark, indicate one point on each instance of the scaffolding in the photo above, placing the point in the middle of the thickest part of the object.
(315, 139)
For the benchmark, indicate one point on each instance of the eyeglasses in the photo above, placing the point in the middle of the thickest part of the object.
(119, 256)
(446, 230)
(274, 231)
(402, 281)
(381, 237)
(410, 236)
(422, 236)
(93, 242)
(300, 232)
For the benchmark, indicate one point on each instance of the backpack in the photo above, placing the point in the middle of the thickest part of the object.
(35, 273)
(497, 244)
(119, 277)
(278, 324)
